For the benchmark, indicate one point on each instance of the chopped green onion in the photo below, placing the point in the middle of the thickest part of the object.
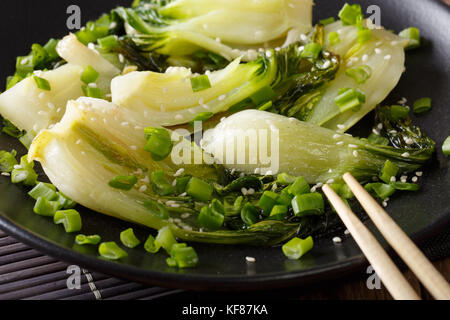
(349, 99)
(267, 201)
(217, 207)
(199, 189)
(263, 95)
(308, 204)
(311, 51)
(388, 171)
(157, 209)
(42, 83)
(43, 190)
(351, 14)
(129, 239)
(10, 129)
(108, 43)
(210, 219)
(185, 256)
(284, 197)
(47, 208)
(111, 251)
(25, 173)
(202, 116)
(266, 106)
(165, 239)
(13, 80)
(66, 202)
(123, 182)
(39, 55)
(27, 139)
(446, 146)
(151, 245)
(360, 73)
(327, 21)
(397, 112)
(279, 210)
(249, 214)
(376, 139)
(413, 35)
(50, 48)
(333, 38)
(285, 179)
(24, 66)
(160, 184)
(300, 186)
(171, 262)
(81, 239)
(181, 183)
(382, 190)
(296, 247)
(404, 186)
(200, 83)
(7, 160)
(92, 92)
(422, 105)
(70, 219)
(159, 143)
(89, 75)
(364, 35)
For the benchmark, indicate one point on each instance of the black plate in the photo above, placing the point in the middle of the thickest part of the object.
(420, 214)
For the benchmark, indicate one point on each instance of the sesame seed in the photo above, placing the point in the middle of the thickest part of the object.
(78, 141)
(303, 37)
(403, 179)
(380, 126)
(133, 147)
(175, 205)
(41, 95)
(250, 259)
(377, 50)
(353, 146)
(218, 39)
(393, 131)
(346, 231)
(384, 204)
(419, 173)
(375, 131)
(355, 154)
(222, 97)
(92, 85)
(405, 155)
(184, 194)
(387, 57)
(414, 179)
(124, 124)
(337, 240)
(365, 58)
(251, 191)
(319, 184)
(185, 215)
(393, 179)
(42, 113)
(83, 153)
(121, 58)
(394, 43)
(330, 181)
(257, 171)
(6, 174)
(17, 166)
(341, 126)
(313, 189)
(268, 53)
(244, 191)
(340, 143)
(179, 172)
(326, 64)
(409, 140)
(143, 188)
(330, 171)
(178, 117)
(336, 136)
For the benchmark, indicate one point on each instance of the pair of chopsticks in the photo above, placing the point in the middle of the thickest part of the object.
(385, 268)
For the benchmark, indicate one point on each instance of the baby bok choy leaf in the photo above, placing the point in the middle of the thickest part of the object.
(91, 146)
(269, 143)
(177, 96)
(183, 27)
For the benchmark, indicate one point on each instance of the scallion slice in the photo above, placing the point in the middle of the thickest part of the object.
(89, 75)
(7, 160)
(157, 209)
(111, 251)
(42, 83)
(70, 219)
(308, 204)
(300, 186)
(47, 208)
(151, 245)
(360, 73)
(364, 35)
(327, 21)
(413, 35)
(333, 38)
(351, 14)
(285, 178)
(349, 99)
(311, 51)
(249, 214)
(159, 143)
(202, 116)
(160, 184)
(82, 239)
(199, 189)
(404, 186)
(108, 43)
(422, 105)
(210, 219)
(129, 239)
(43, 190)
(267, 201)
(296, 247)
(123, 182)
(382, 190)
(200, 83)
(397, 112)
(388, 171)
(165, 239)
(446, 147)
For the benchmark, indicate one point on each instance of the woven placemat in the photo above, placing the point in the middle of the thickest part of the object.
(30, 275)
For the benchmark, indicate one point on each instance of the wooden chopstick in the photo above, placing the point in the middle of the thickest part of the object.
(433, 281)
(384, 267)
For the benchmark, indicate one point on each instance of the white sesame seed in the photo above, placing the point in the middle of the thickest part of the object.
(341, 126)
(92, 85)
(6, 174)
(365, 57)
(179, 172)
(178, 117)
(354, 146)
(83, 153)
(384, 204)
(233, 171)
(133, 148)
(218, 39)
(268, 53)
(319, 184)
(337, 240)
(251, 191)
(340, 143)
(303, 37)
(175, 205)
(250, 259)
(394, 43)
(330, 181)
(185, 215)
(336, 136)
(222, 97)
(93, 119)
(403, 179)
(143, 188)
(393, 131)
(124, 124)
(330, 171)
(326, 64)
(387, 57)
(313, 189)
(42, 113)
(377, 50)
(355, 154)
(244, 191)
(375, 131)
(257, 170)
(380, 126)
(393, 179)
(419, 173)
(121, 58)
(414, 179)
(409, 141)
(346, 231)
(174, 183)
(41, 95)
(405, 155)
(184, 194)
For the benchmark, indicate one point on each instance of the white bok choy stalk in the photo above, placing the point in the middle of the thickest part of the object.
(301, 149)
(226, 27)
(91, 146)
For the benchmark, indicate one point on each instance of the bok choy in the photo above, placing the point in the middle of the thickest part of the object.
(303, 149)
(90, 147)
(228, 28)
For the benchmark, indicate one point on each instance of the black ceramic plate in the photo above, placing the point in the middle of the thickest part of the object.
(420, 214)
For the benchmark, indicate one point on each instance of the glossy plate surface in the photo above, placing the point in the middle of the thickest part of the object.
(421, 214)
